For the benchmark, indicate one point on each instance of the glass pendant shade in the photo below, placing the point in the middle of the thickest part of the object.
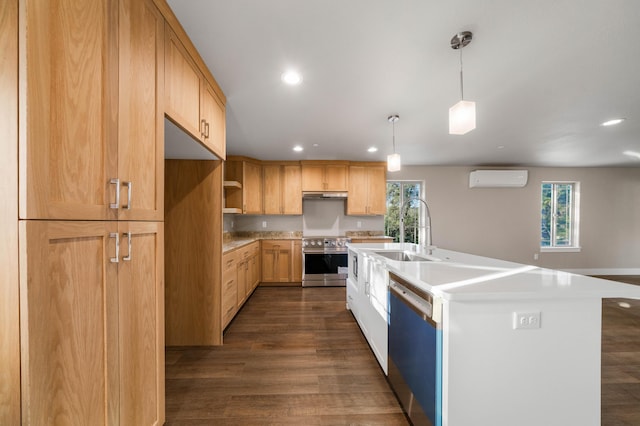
(462, 117)
(393, 162)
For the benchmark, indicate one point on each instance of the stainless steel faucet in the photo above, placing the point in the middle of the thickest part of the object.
(425, 231)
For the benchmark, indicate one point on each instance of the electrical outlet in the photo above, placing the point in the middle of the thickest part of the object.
(264, 223)
(526, 320)
(359, 224)
(535, 256)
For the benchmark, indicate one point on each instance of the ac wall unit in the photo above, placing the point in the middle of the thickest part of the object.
(498, 178)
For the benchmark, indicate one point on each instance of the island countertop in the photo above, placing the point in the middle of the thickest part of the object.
(461, 276)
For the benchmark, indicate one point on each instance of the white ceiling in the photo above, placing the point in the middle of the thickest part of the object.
(544, 74)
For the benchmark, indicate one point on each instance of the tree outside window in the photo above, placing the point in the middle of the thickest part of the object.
(558, 215)
(398, 192)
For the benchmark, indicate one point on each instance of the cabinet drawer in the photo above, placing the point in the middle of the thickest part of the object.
(229, 297)
(229, 261)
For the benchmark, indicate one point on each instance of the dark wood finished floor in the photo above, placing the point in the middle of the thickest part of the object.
(295, 356)
(292, 356)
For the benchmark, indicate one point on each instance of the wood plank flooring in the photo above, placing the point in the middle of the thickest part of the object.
(296, 356)
(292, 356)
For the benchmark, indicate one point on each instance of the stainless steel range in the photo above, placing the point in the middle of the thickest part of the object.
(324, 261)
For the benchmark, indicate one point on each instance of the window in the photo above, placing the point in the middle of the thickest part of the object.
(559, 216)
(398, 192)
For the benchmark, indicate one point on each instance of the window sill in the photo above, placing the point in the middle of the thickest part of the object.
(560, 249)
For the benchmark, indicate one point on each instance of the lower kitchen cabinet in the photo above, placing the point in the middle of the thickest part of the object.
(240, 276)
(91, 298)
(278, 264)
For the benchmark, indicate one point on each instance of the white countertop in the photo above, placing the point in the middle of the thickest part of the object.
(462, 276)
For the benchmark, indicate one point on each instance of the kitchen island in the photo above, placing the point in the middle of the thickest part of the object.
(512, 344)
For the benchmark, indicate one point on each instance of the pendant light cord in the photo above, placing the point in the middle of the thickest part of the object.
(461, 80)
(393, 124)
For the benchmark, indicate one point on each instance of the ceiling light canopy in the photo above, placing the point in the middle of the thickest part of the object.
(613, 122)
(291, 77)
(462, 116)
(393, 160)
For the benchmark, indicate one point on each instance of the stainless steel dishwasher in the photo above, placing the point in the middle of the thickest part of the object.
(415, 351)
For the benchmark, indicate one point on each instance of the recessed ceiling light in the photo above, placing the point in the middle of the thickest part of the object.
(613, 122)
(372, 149)
(291, 77)
(500, 146)
(315, 145)
(298, 148)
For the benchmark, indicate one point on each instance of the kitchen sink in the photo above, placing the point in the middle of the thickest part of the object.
(405, 256)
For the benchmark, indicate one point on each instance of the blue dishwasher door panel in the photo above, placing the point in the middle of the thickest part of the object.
(415, 347)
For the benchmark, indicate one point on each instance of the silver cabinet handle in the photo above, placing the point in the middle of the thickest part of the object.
(206, 129)
(202, 124)
(128, 185)
(117, 237)
(115, 182)
(127, 235)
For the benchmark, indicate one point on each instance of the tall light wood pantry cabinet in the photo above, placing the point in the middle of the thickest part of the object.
(91, 188)
(9, 289)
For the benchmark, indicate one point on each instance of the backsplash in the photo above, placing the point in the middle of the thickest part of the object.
(319, 218)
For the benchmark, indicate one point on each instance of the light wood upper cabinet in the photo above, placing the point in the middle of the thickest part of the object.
(191, 101)
(213, 121)
(182, 86)
(247, 197)
(68, 109)
(282, 185)
(93, 337)
(91, 110)
(367, 190)
(277, 261)
(141, 111)
(324, 176)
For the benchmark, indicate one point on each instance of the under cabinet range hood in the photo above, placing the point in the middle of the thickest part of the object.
(324, 195)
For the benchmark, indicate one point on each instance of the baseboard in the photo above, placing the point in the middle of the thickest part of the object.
(294, 284)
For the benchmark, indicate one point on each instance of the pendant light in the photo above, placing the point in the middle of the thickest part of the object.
(393, 160)
(462, 116)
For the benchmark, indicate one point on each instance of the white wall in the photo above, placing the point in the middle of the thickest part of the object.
(505, 222)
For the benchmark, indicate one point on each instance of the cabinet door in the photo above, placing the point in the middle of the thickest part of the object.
(141, 323)
(272, 189)
(69, 323)
(276, 261)
(284, 262)
(296, 261)
(9, 291)
(376, 190)
(254, 269)
(141, 111)
(358, 191)
(213, 120)
(182, 87)
(336, 178)
(252, 188)
(291, 190)
(243, 271)
(313, 177)
(68, 109)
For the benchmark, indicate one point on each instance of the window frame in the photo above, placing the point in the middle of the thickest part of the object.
(574, 223)
(402, 200)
